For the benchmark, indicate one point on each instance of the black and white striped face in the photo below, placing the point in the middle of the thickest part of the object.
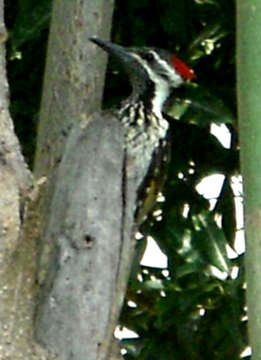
(153, 72)
(160, 64)
(158, 67)
(164, 70)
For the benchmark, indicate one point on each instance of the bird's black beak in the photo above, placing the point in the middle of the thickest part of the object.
(115, 50)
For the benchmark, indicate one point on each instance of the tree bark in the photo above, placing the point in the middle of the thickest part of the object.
(80, 209)
(73, 82)
(17, 252)
(86, 230)
(249, 106)
(80, 302)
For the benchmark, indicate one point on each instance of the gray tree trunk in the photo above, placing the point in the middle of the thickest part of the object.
(16, 279)
(85, 227)
(81, 298)
(73, 83)
(75, 209)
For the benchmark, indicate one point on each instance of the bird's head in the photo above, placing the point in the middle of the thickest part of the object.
(149, 68)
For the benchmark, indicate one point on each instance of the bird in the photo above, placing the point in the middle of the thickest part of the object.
(153, 74)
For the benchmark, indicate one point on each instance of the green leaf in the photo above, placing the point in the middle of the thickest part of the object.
(200, 106)
(226, 207)
(153, 285)
(188, 269)
(210, 241)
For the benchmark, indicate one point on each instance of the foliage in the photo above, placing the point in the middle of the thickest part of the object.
(185, 311)
(27, 22)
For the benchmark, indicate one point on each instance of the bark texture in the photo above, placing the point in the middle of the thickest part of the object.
(86, 245)
(81, 298)
(73, 83)
(17, 252)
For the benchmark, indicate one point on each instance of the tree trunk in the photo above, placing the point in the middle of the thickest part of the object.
(80, 302)
(73, 83)
(86, 230)
(17, 252)
(249, 106)
(74, 210)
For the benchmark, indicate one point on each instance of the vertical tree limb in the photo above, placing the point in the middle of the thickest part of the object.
(74, 76)
(17, 252)
(249, 106)
(77, 313)
(86, 246)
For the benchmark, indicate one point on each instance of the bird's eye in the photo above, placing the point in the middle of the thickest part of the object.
(148, 56)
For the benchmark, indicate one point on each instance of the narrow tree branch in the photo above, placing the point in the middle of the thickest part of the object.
(249, 106)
